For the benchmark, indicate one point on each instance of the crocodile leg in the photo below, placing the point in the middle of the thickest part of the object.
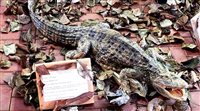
(81, 51)
(129, 82)
(130, 72)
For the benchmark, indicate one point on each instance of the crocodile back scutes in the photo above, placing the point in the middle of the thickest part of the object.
(67, 35)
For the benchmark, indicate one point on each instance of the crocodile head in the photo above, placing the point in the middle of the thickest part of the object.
(171, 86)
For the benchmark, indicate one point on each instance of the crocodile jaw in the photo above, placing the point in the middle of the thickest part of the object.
(179, 94)
(171, 86)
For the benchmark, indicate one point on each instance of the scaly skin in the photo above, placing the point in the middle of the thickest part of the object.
(111, 51)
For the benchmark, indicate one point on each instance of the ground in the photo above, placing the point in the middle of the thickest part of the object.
(9, 100)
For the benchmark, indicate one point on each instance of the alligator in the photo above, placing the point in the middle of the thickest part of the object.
(112, 51)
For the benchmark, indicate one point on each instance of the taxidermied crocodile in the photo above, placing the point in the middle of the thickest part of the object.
(112, 51)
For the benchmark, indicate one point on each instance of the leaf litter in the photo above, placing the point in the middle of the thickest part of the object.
(119, 15)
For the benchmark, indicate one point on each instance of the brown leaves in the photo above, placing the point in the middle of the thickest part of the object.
(5, 28)
(5, 64)
(11, 25)
(189, 46)
(64, 20)
(15, 81)
(26, 36)
(15, 26)
(13, 8)
(182, 20)
(165, 23)
(153, 27)
(9, 49)
(91, 2)
(23, 19)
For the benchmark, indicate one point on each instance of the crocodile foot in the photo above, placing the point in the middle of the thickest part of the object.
(74, 54)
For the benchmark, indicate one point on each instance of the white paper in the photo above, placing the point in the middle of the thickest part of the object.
(63, 84)
(195, 22)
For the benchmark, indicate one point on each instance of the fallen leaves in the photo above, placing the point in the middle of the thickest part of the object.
(14, 26)
(154, 28)
(182, 20)
(23, 19)
(10, 25)
(191, 63)
(26, 36)
(5, 28)
(4, 64)
(165, 23)
(64, 20)
(9, 49)
(91, 2)
(189, 46)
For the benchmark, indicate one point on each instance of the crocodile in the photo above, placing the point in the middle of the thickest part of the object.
(112, 51)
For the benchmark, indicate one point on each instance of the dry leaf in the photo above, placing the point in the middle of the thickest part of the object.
(178, 39)
(154, 23)
(182, 20)
(41, 56)
(34, 48)
(13, 8)
(105, 75)
(194, 77)
(171, 39)
(100, 85)
(89, 23)
(116, 11)
(5, 64)
(46, 8)
(26, 72)
(133, 27)
(156, 32)
(165, 23)
(14, 58)
(64, 20)
(26, 36)
(137, 12)
(103, 2)
(191, 63)
(141, 25)
(143, 33)
(189, 46)
(91, 2)
(127, 14)
(15, 26)
(9, 49)
(153, 8)
(5, 28)
(151, 40)
(111, 20)
(18, 80)
(23, 19)
(101, 94)
(112, 2)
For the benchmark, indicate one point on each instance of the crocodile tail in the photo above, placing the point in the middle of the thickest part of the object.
(56, 32)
